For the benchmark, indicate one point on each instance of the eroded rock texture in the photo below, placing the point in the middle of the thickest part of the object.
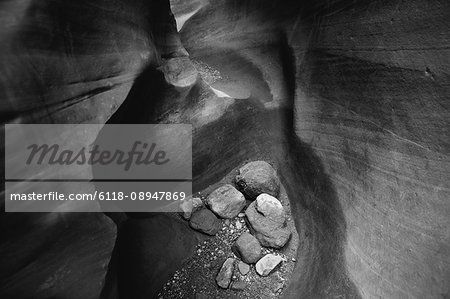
(348, 100)
(369, 84)
(74, 62)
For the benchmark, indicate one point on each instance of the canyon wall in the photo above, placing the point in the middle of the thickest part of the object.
(349, 98)
(74, 62)
(372, 100)
(71, 62)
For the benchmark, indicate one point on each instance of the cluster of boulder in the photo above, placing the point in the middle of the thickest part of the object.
(257, 183)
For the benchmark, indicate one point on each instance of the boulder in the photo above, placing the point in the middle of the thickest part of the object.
(189, 206)
(243, 268)
(247, 248)
(205, 221)
(226, 201)
(257, 177)
(225, 275)
(267, 264)
(267, 221)
(179, 71)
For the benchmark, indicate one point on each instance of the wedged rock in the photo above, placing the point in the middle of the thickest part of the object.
(179, 71)
(267, 264)
(189, 206)
(257, 177)
(205, 221)
(243, 268)
(247, 247)
(226, 201)
(223, 279)
(238, 285)
(267, 221)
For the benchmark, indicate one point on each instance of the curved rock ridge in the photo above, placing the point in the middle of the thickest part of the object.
(67, 62)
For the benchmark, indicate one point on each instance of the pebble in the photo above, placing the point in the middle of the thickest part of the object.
(247, 248)
(189, 206)
(267, 264)
(238, 225)
(243, 268)
(257, 177)
(205, 221)
(226, 201)
(223, 279)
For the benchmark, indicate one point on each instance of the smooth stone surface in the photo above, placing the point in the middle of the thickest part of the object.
(267, 264)
(257, 177)
(243, 268)
(267, 221)
(247, 248)
(189, 206)
(226, 201)
(223, 279)
(205, 221)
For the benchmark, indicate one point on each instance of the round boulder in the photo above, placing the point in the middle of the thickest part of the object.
(226, 201)
(257, 177)
(205, 221)
(247, 248)
(267, 221)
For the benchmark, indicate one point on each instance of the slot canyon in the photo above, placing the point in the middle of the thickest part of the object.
(348, 100)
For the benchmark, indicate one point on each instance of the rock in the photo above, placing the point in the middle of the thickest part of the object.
(267, 221)
(223, 279)
(238, 285)
(247, 248)
(238, 224)
(201, 296)
(240, 215)
(205, 221)
(257, 177)
(267, 264)
(189, 206)
(179, 71)
(243, 268)
(226, 201)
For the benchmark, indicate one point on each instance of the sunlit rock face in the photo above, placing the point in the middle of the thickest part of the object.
(369, 86)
